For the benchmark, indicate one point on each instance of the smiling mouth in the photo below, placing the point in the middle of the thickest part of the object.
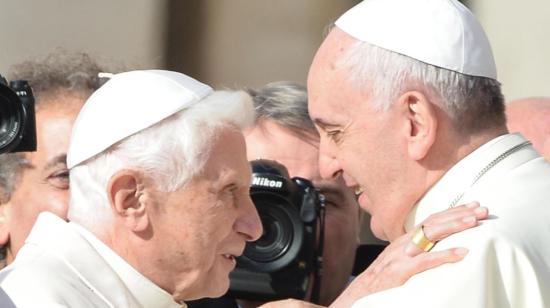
(358, 191)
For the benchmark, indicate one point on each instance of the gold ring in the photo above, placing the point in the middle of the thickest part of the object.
(420, 239)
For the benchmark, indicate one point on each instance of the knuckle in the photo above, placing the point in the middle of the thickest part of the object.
(432, 233)
(430, 219)
(430, 260)
(392, 269)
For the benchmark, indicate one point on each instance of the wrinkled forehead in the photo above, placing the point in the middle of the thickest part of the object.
(330, 55)
(226, 157)
(331, 93)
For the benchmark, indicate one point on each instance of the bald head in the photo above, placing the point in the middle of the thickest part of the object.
(531, 117)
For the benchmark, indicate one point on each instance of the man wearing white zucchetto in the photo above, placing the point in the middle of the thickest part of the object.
(405, 96)
(159, 200)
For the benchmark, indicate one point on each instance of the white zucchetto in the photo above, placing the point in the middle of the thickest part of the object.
(443, 33)
(126, 104)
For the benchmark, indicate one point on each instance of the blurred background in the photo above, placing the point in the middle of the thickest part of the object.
(236, 43)
(245, 43)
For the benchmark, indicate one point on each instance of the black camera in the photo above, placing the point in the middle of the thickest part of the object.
(281, 263)
(17, 121)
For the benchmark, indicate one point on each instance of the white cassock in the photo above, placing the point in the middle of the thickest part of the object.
(508, 264)
(64, 265)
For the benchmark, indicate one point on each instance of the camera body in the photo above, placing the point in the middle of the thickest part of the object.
(17, 118)
(282, 262)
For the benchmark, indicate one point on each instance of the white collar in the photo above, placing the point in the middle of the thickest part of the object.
(458, 179)
(145, 291)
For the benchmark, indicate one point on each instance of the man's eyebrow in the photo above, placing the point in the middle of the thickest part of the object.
(59, 159)
(323, 124)
(230, 178)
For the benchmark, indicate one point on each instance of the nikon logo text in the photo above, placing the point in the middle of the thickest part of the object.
(267, 182)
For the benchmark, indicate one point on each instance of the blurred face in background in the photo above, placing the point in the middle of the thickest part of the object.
(269, 140)
(531, 117)
(44, 181)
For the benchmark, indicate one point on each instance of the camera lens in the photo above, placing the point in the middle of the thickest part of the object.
(282, 238)
(12, 115)
(276, 237)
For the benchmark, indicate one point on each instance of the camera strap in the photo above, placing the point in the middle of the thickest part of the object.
(318, 268)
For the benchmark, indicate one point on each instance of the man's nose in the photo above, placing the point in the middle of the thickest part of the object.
(329, 166)
(249, 223)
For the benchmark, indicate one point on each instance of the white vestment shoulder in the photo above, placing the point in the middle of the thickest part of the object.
(59, 267)
(508, 264)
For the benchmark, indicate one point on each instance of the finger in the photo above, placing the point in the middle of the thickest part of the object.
(392, 253)
(436, 258)
(437, 232)
(394, 250)
(401, 248)
(478, 212)
(395, 247)
(481, 213)
(464, 217)
(412, 250)
(429, 260)
(471, 209)
(419, 240)
(468, 207)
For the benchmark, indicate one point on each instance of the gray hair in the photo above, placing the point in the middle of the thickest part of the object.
(59, 71)
(473, 103)
(171, 152)
(285, 103)
(10, 171)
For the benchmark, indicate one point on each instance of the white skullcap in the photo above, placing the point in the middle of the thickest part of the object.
(443, 33)
(126, 104)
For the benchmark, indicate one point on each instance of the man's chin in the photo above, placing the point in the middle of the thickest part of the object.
(215, 286)
(212, 292)
(378, 231)
(218, 292)
(218, 287)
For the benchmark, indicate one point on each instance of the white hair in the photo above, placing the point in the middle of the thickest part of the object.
(171, 152)
(387, 75)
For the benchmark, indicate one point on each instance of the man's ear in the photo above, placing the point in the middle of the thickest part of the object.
(4, 225)
(124, 190)
(421, 119)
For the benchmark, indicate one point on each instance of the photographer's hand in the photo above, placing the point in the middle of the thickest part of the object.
(402, 259)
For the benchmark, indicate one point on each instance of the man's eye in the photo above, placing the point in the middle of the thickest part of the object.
(231, 191)
(60, 179)
(60, 174)
(334, 135)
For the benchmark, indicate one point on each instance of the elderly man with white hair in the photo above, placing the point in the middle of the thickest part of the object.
(405, 96)
(159, 202)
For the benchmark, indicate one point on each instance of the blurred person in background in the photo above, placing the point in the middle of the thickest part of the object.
(32, 182)
(283, 132)
(531, 117)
